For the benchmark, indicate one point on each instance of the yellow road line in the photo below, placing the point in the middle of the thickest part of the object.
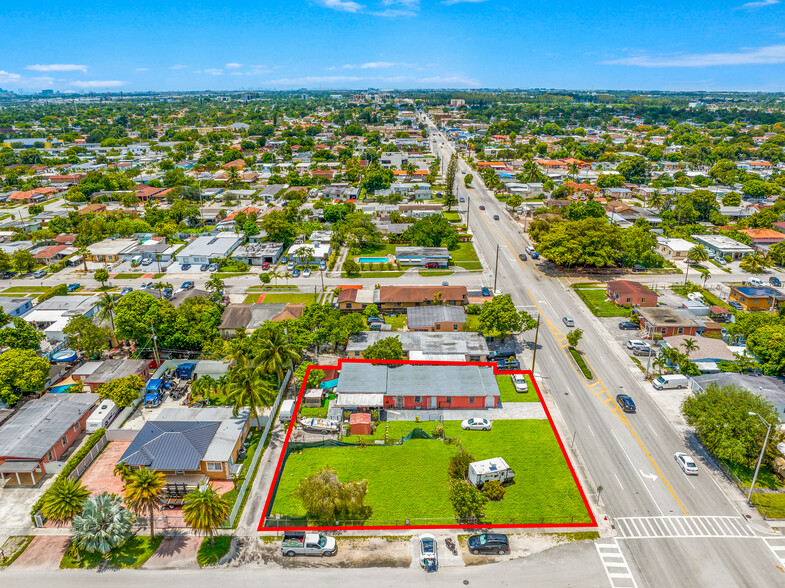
(608, 401)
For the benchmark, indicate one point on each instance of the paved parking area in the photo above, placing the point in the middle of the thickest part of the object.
(43, 553)
(510, 411)
(100, 477)
(177, 552)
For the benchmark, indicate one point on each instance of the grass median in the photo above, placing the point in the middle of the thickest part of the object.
(578, 357)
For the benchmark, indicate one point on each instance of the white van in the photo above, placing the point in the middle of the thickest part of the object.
(101, 416)
(755, 282)
(671, 381)
(136, 259)
(287, 411)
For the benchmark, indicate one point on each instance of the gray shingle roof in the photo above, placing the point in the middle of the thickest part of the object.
(170, 445)
(39, 424)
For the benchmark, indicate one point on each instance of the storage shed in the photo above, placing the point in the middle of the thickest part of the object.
(313, 397)
(360, 423)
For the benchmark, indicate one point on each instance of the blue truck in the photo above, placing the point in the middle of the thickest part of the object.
(185, 370)
(154, 393)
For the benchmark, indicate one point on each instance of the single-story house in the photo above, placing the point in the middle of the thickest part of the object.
(674, 249)
(398, 298)
(720, 245)
(192, 443)
(94, 374)
(436, 318)
(14, 307)
(51, 316)
(707, 354)
(109, 250)
(629, 293)
(207, 248)
(756, 298)
(423, 256)
(763, 237)
(356, 299)
(365, 385)
(51, 253)
(155, 249)
(302, 253)
(251, 316)
(40, 432)
(259, 253)
(667, 322)
(417, 345)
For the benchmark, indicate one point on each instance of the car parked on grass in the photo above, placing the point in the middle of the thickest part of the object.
(489, 543)
(628, 326)
(625, 403)
(486, 291)
(520, 383)
(476, 424)
(686, 463)
(73, 287)
(568, 321)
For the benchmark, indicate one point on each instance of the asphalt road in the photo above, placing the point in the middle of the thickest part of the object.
(630, 456)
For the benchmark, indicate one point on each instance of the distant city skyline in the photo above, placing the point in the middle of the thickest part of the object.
(396, 44)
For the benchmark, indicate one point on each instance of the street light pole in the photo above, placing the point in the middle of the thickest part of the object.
(760, 457)
(536, 336)
(496, 270)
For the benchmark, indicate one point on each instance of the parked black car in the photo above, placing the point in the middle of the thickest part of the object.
(638, 268)
(628, 326)
(490, 543)
(775, 281)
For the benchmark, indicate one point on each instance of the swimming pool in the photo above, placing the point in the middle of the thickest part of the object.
(372, 260)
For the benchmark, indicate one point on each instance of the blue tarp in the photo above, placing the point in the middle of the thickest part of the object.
(329, 384)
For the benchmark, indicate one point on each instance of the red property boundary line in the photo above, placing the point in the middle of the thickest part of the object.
(271, 492)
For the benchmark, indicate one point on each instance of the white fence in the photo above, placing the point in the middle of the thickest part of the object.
(88, 459)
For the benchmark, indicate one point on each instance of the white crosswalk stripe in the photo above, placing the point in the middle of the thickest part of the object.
(777, 547)
(615, 564)
(698, 526)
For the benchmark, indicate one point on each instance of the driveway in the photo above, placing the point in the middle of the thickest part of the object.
(43, 553)
(509, 412)
(100, 477)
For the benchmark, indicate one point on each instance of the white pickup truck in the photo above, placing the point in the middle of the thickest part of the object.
(300, 543)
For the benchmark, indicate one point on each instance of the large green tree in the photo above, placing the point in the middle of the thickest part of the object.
(21, 371)
(122, 391)
(499, 318)
(143, 493)
(64, 500)
(86, 336)
(432, 231)
(588, 242)
(768, 345)
(247, 385)
(325, 498)
(204, 510)
(19, 334)
(386, 348)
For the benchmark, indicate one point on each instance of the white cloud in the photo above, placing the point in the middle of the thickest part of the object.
(341, 5)
(746, 56)
(397, 8)
(450, 81)
(233, 65)
(213, 71)
(98, 83)
(451, 2)
(6, 77)
(258, 70)
(375, 65)
(178, 67)
(57, 67)
(304, 81)
(757, 4)
(235, 73)
(141, 69)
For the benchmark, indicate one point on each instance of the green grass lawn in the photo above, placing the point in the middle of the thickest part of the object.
(578, 357)
(510, 394)
(127, 276)
(594, 298)
(464, 252)
(251, 298)
(472, 323)
(766, 478)
(392, 274)
(224, 275)
(398, 321)
(452, 217)
(410, 480)
(378, 250)
(26, 289)
(436, 272)
(13, 547)
(213, 550)
(294, 298)
(770, 505)
(131, 554)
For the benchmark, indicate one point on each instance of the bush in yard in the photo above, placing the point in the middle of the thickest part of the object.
(351, 267)
(472, 309)
(459, 465)
(467, 502)
(326, 499)
(494, 490)
(59, 290)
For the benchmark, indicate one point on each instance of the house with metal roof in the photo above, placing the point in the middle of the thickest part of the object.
(39, 433)
(207, 248)
(436, 318)
(406, 386)
(190, 444)
(417, 345)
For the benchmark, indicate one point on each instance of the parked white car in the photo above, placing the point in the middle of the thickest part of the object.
(519, 381)
(633, 343)
(476, 424)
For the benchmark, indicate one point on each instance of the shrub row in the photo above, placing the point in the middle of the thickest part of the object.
(59, 290)
(69, 467)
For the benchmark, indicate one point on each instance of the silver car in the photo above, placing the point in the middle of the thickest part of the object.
(567, 320)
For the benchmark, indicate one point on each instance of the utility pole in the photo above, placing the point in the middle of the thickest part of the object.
(496, 270)
(155, 346)
(536, 337)
(468, 210)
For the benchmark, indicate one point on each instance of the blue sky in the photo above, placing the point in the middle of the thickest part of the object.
(283, 44)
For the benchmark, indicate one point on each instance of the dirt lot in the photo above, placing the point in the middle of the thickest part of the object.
(100, 477)
(44, 553)
(521, 545)
(359, 552)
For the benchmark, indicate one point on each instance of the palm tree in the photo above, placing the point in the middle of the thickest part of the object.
(689, 346)
(158, 259)
(276, 353)
(233, 175)
(203, 388)
(247, 385)
(144, 492)
(205, 510)
(106, 307)
(696, 254)
(124, 472)
(573, 169)
(754, 263)
(656, 200)
(274, 274)
(83, 252)
(64, 500)
(102, 525)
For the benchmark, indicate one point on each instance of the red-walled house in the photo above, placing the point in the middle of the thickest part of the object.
(667, 322)
(40, 432)
(407, 386)
(629, 293)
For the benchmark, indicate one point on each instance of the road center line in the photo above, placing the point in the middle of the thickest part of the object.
(637, 473)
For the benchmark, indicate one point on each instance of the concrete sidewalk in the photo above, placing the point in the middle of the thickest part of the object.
(510, 411)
